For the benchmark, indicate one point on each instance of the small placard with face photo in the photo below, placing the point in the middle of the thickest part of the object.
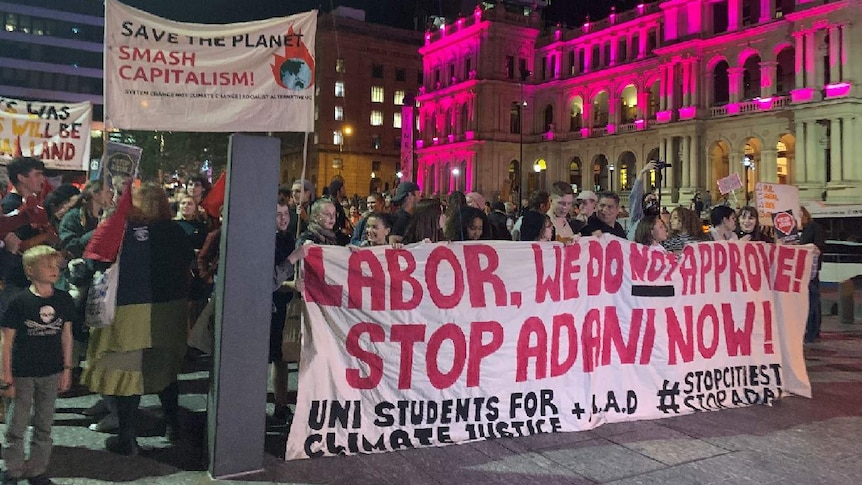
(786, 229)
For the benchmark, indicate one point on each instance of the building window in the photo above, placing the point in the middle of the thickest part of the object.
(377, 94)
(452, 72)
(339, 65)
(339, 89)
(375, 165)
(398, 99)
(376, 118)
(420, 77)
(468, 66)
(339, 113)
(375, 142)
(401, 75)
(396, 120)
(337, 137)
(377, 71)
(510, 67)
(522, 68)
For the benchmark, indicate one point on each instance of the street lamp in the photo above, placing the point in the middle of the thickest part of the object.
(611, 173)
(747, 165)
(521, 105)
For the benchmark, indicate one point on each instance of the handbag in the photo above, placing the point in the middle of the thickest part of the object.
(291, 341)
(102, 297)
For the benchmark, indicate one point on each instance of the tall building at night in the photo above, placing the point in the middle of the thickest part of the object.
(51, 50)
(768, 89)
(364, 72)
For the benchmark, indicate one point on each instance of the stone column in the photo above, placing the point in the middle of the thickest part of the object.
(845, 32)
(686, 83)
(734, 75)
(663, 88)
(836, 137)
(614, 51)
(694, 162)
(694, 80)
(853, 171)
(800, 67)
(670, 104)
(642, 43)
(686, 162)
(834, 54)
(588, 58)
(819, 53)
(798, 171)
(769, 165)
(813, 169)
(643, 105)
(734, 15)
(766, 11)
(767, 78)
(613, 110)
(810, 60)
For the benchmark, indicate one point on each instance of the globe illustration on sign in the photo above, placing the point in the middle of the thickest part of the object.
(295, 74)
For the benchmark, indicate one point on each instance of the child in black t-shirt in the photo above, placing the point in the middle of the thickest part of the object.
(37, 363)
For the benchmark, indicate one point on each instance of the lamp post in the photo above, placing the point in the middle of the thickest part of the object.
(747, 165)
(522, 103)
(611, 173)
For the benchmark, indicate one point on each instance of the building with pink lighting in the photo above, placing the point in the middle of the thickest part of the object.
(768, 89)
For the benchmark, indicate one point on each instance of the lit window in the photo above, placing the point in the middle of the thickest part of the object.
(337, 137)
(398, 99)
(339, 113)
(376, 118)
(377, 94)
(339, 89)
(339, 65)
(396, 120)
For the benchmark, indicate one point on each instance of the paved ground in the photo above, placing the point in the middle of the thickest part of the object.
(796, 441)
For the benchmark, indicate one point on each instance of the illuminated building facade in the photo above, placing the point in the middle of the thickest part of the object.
(768, 89)
(364, 72)
(51, 50)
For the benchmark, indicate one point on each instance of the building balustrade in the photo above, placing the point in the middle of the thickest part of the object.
(751, 106)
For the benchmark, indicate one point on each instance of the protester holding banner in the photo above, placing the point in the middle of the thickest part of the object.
(378, 226)
(469, 224)
(303, 197)
(605, 218)
(812, 233)
(651, 232)
(142, 351)
(749, 226)
(723, 220)
(426, 222)
(685, 228)
(536, 226)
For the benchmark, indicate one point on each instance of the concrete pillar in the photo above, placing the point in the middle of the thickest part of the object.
(613, 109)
(835, 141)
(800, 66)
(767, 78)
(798, 170)
(834, 54)
(614, 51)
(766, 11)
(236, 418)
(588, 58)
(686, 84)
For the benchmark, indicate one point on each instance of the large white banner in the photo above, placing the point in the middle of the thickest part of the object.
(166, 75)
(56, 132)
(436, 344)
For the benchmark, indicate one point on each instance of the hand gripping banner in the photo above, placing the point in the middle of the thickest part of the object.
(437, 344)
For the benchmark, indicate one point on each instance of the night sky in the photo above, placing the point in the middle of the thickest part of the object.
(399, 13)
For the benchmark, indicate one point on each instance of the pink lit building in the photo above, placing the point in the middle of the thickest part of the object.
(705, 85)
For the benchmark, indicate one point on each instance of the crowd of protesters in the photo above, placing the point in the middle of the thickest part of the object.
(166, 251)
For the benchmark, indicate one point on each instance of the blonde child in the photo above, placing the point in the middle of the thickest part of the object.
(37, 363)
